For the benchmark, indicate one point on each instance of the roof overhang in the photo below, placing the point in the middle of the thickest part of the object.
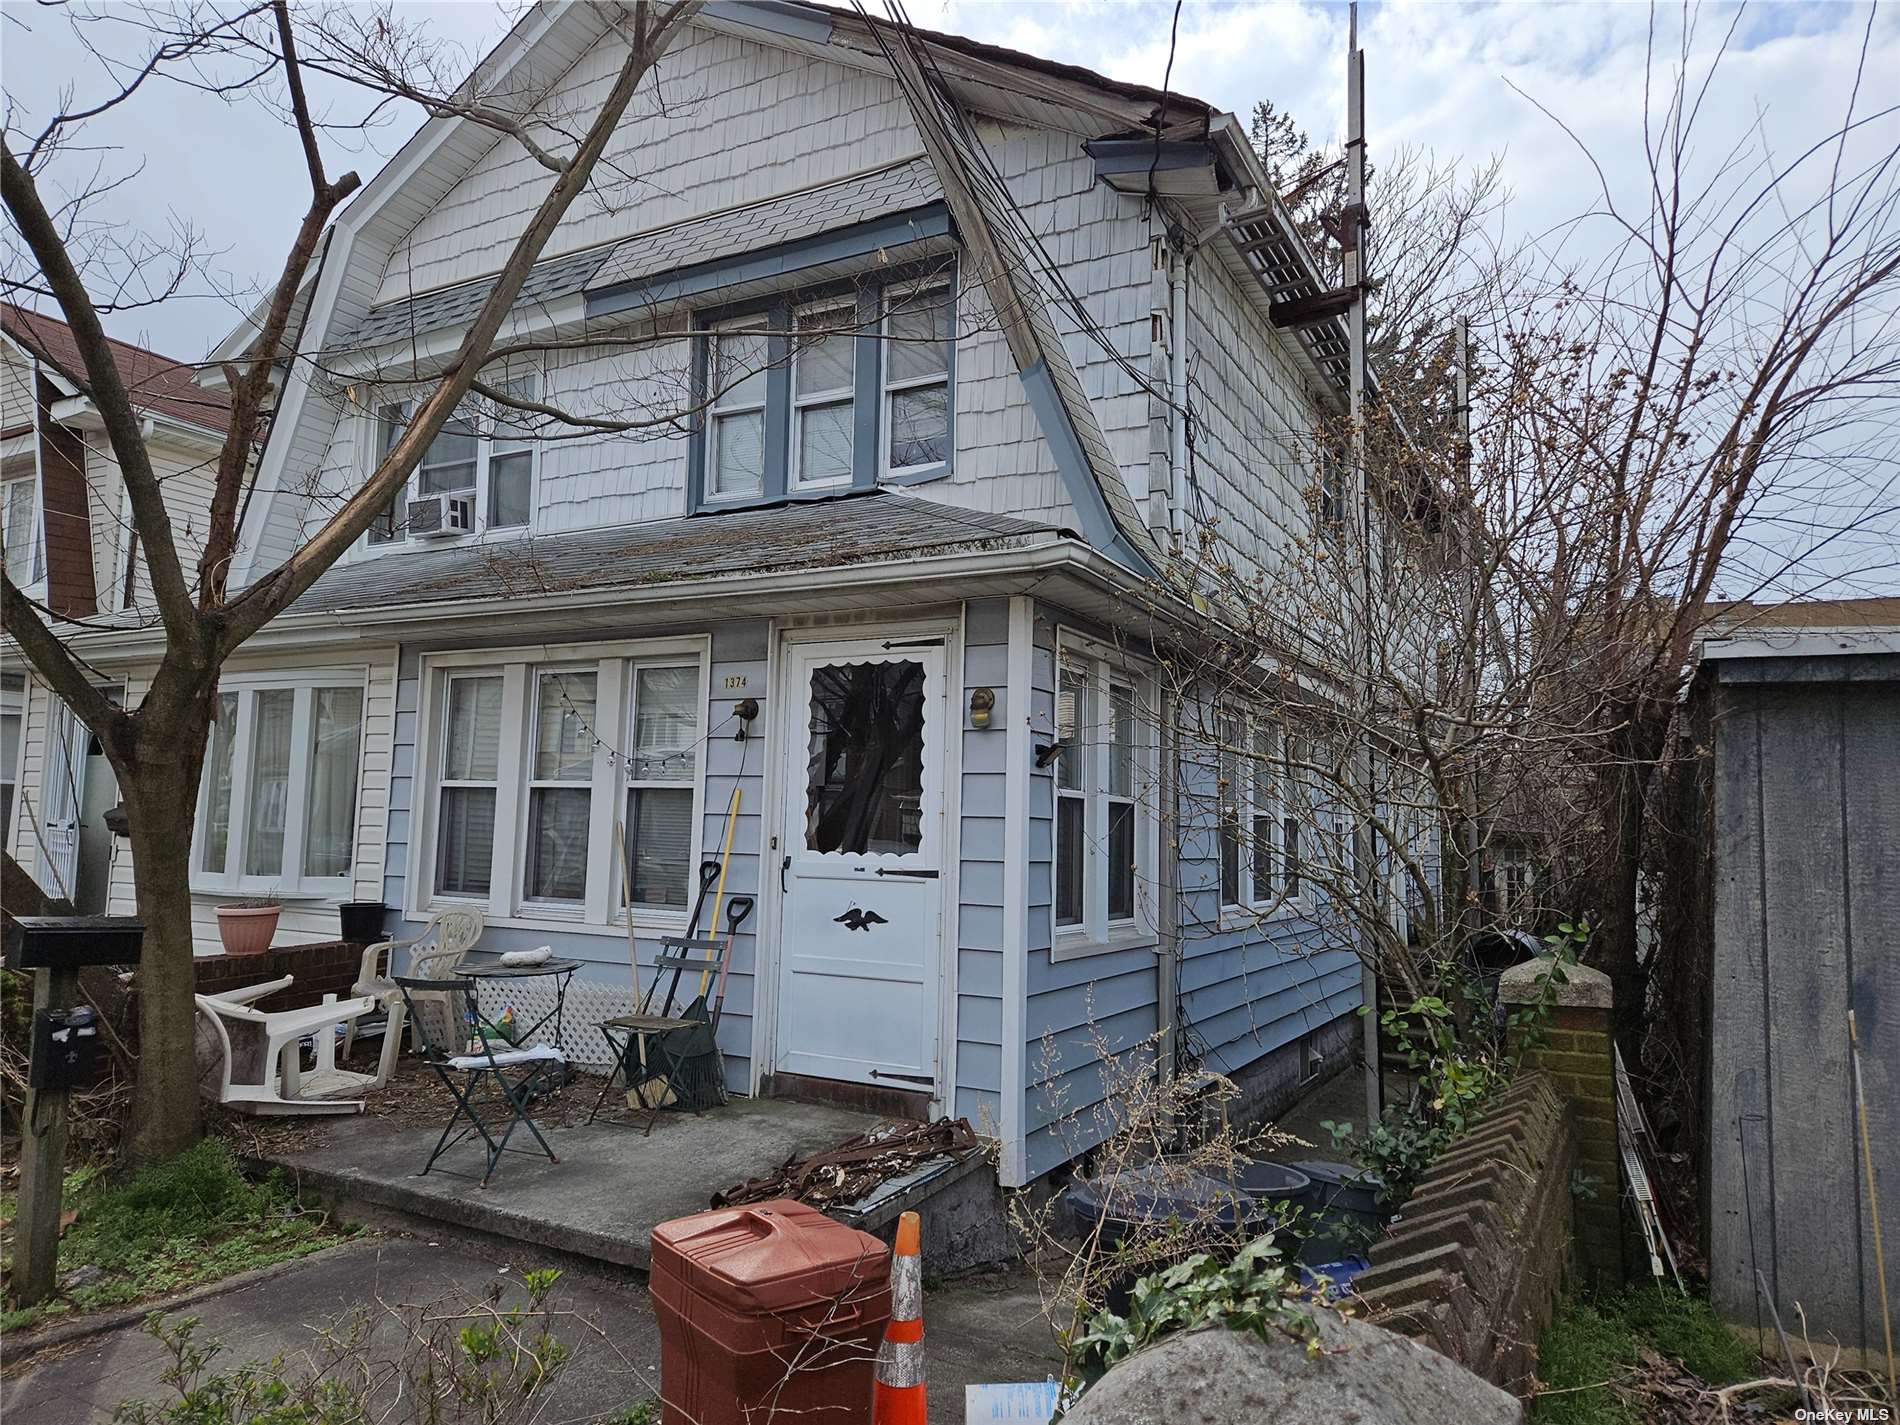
(1054, 567)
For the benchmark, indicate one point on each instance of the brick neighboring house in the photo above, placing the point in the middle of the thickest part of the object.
(69, 545)
(889, 582)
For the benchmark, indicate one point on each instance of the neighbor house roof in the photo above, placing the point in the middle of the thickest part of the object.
(157, 384)
(856, 529)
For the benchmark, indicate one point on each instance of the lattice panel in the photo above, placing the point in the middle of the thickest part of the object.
(588, 1002)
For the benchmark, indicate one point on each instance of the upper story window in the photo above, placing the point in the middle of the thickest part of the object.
(918, 334)
(278, 809)
(477, 474)
(735, 467)
(828, 391)
(25, 551)
(1104, 842)
(824, 343)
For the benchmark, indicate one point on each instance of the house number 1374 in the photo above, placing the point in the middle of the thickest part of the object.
(735, 680)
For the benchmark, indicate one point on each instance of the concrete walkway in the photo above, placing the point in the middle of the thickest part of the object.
(980, 1329)
(603, 1199)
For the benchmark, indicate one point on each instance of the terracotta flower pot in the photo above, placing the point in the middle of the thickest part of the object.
(247, 930)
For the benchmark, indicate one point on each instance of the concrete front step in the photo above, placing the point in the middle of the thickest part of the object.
(612, 1186)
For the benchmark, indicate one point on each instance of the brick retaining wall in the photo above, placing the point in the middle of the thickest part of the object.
(326, 968)
(1475, 1264)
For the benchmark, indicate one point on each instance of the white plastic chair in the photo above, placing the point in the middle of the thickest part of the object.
(433, 955)
(259, 1066)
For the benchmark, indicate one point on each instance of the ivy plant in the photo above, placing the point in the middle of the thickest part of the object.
(1248, 1293)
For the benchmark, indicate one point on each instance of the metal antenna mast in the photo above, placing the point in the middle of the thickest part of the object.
(1353, 228)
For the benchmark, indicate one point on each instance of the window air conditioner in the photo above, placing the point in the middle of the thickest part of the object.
(441, 516)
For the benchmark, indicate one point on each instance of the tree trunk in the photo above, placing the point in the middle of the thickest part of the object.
(161, 803)
(1623, 801)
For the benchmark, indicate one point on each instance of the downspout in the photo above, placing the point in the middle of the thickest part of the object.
(37, 551)
(1177, 392)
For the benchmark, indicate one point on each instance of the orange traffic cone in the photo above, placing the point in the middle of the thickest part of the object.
(897, 1398)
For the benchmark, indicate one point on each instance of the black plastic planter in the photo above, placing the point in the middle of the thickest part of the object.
(362, 921)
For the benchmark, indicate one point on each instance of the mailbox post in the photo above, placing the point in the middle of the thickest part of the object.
(65, 1055)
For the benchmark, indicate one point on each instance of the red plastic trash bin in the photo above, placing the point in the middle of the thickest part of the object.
(768, 1312)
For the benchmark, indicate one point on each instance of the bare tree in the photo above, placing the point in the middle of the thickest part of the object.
(157, 747)
(1703, 412)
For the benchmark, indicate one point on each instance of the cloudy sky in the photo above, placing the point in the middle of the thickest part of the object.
(1440, 76)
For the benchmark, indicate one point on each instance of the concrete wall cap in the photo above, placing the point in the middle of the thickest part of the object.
(1583, 987)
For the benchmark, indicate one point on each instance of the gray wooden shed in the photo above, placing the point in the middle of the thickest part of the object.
(1804, 724)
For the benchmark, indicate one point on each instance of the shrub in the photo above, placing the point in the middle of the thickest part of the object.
(1247, 1294)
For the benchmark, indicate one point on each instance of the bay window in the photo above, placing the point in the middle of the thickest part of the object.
(277, 811)
(483, 456)
(1104, 837)
(530, 824)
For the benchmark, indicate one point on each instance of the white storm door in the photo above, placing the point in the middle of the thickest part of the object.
(64, 765)
(860, 856)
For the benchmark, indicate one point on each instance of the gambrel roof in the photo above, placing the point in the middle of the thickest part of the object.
(550, 40)
(647, 259)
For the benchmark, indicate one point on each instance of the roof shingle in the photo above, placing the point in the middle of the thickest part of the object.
(854, 529)
(157, 384)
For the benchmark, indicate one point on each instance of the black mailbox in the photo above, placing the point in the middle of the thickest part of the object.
(65, 942)
(66, 1051)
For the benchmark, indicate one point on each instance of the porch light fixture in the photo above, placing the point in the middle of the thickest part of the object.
(982, 703)
(746, 709)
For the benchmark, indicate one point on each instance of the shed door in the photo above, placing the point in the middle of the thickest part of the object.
(860, 853)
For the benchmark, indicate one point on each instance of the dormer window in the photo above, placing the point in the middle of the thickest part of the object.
(815, 393)
(478, 473)
(736, 465)
(919, 330)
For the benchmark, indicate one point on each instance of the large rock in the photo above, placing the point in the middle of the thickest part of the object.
(1363, 1374)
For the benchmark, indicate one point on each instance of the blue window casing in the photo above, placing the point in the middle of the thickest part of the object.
(868, 430)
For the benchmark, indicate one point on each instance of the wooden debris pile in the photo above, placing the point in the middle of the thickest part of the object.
(854, 1168)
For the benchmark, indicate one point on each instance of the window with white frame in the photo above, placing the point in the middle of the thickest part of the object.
(560, 785)
(12, 721)
(1233, 807)
(1260, 821)
(470, 763)
(278, 807)
(735, 455)
(919, 332)
(481, 461)
(824, 346)
(662, 773)
(25, 550)
(608, 756)
(1334, 507)
(1102, 841)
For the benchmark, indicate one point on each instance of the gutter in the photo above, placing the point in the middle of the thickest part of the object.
(1053, 558)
